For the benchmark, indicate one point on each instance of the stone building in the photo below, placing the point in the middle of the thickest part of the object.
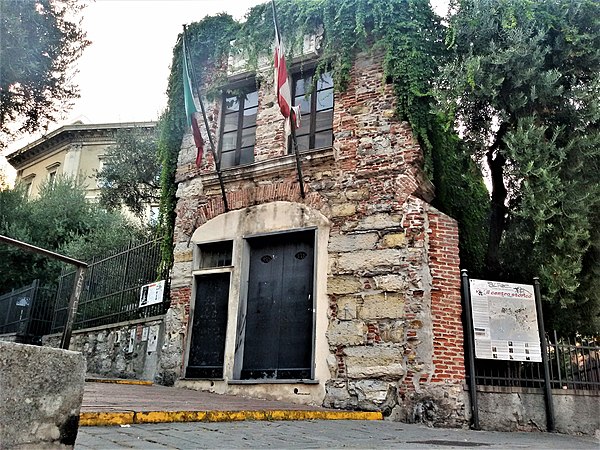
(76, 150)
(347, 298)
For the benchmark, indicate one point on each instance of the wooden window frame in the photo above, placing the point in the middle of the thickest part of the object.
(240, 125)
(313, 108)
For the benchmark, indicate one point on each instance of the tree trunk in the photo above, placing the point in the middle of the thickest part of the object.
(497, 211)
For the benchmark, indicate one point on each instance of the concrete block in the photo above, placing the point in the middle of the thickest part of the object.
(352, 242)
(41, 390)
(380, 361)
(343, 284)
(386, 305)
(346, 333)
(369, 260)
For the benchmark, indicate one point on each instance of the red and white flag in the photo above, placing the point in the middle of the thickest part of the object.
(282, 84)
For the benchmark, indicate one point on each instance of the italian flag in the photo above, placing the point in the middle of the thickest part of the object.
(190, 109)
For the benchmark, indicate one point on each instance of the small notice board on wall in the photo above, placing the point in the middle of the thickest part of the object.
(505, 322)
(152, 294)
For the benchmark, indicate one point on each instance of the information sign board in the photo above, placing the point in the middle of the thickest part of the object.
(151, 294)
(505, 321)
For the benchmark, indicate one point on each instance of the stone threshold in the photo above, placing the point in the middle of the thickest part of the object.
(267, 381)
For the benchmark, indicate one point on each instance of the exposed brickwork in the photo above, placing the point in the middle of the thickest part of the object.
(445, 300)
(394, 331)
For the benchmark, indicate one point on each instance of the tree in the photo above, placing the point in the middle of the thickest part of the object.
(3, 178)
(40, 43)
(131, 172)
(61, 220)
(524, 88)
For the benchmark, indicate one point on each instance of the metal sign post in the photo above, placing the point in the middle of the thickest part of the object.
(470, 348)
(547, 385)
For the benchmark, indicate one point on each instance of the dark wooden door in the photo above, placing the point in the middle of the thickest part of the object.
(207, 344)
(279, 319)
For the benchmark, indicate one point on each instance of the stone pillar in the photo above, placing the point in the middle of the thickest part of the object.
(41, 390)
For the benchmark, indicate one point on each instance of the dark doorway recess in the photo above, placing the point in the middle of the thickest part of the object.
(207, 346)
(279, 319)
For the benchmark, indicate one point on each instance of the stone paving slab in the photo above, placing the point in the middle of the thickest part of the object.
(319, 434)
(120, 404)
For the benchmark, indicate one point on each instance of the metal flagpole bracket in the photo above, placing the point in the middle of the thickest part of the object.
(292, 113)
(188, 57)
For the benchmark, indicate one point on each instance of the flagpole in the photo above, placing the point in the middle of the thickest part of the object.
(292, 123)
(210, 139)
(298, 165)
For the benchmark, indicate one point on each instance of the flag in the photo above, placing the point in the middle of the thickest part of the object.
(190, 108)
(282, 83)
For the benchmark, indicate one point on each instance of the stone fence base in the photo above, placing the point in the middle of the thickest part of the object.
(523, 409)
(120, 350)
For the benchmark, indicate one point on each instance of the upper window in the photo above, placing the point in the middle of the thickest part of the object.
(52, 172)
(238, 128)
(51, 177)
(314, 94)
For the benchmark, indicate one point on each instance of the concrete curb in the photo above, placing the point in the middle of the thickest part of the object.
(90, 419)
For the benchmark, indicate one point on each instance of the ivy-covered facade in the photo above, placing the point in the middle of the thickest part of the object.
(348, 297)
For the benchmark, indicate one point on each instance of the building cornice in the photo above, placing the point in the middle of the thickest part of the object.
(66, 134)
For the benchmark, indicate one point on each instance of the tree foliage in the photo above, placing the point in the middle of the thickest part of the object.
(60, 220)
(406, 33)
(524, 86)
(40, 43)
(520, 82)
(130, 175)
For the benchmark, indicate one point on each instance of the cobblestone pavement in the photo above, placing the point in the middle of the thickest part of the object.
(316, 434)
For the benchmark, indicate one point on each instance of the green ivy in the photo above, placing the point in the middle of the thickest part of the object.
(411, 38)
(209, 41)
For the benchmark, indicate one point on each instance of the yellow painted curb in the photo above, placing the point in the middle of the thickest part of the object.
(94, 419)
(118, 381)
(118, 418)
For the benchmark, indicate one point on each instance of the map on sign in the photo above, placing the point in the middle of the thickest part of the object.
(505, 321)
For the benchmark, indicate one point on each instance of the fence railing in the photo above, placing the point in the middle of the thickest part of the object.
(573, 364)
(111, 289)
(27, 311)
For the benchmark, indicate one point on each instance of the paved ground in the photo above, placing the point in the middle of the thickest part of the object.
(118, 399)
(110, 397)
(120, 404)
(315, 434)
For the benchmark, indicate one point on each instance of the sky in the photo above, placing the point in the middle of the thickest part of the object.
(122, 75)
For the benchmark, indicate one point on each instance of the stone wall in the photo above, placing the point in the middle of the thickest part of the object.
(393, 333)
(121, 350)
(41, 390)
(523, 409)
(9, 337)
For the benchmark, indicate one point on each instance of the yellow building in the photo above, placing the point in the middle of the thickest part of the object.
(75, 150)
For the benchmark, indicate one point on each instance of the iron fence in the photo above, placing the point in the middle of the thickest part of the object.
(27, 311)
(573, 364)
(111, 289)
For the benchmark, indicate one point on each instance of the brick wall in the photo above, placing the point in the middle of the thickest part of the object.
(394, 332)
(446, 300)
